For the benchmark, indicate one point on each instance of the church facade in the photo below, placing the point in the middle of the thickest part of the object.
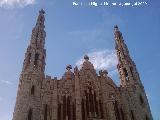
(81, 94)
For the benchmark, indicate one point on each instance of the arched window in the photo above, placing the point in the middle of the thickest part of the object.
(141, 100)
(101, 108)
(131, 69)
(28, 60)
(132, 115)
(45, 112)
(122, 114)
(117, 114)
(29, 57)
(125, 72)
(147, 117)
(87, 102)
(68, 107)
(36, 59)
(64, 107)
(83, 109)
(30, 114)
(59, 111)
(74, 111)
(36, 39)
(32, 90)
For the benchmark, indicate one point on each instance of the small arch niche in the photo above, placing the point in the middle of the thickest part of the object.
(29, 57)
(125, 72)
(32, 90)
(46, 111)
(30, 114)
(141, 100)
(132, 115)
(147, 118)
(36, 59)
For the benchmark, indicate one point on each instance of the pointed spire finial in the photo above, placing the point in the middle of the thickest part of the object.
(69, 67)
(116, 28)
(86, 57)
(42, 11)
(76, 70)
(117, 33)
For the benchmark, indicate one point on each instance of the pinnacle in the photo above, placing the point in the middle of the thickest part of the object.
(86, 57)
(69, 67)
(42, 11)
(116, 28)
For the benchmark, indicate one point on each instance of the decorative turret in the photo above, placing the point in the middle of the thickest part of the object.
(68, 75)
(126, 67)
(35, 55)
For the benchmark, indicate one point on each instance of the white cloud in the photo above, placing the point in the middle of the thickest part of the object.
(15, 3)
(6, 82)
(148, 96)
(104, 59)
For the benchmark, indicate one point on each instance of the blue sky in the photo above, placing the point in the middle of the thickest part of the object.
(73, 31)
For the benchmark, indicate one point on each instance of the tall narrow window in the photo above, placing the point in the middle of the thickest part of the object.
(125, 72)
(131, 69)
(147, 117)
(36, 39)
(101, 108)
(91, 101)
(69, 107)
(116, 110)
(28, 60)
(141, 100)
(59, 112)
(64, 107)
(83, 109)
(30, 114)
(132, 115)
(96, 104)
(36, 59)
(29, 57)
(87, 102)
(122, 114)
(74, 111)
(45, 112)
(32, 90)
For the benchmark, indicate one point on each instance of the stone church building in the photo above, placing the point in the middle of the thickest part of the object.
(81, 94)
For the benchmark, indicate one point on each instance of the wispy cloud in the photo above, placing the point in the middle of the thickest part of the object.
(148, 95)
(6, 82)
(15, 3)
(104, 59)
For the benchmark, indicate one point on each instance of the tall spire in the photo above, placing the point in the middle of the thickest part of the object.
(36, 53)
(126, 67)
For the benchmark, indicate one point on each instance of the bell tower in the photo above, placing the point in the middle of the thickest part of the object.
(35, 54)
(28, 101)
(126, 66)
(131, 85)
